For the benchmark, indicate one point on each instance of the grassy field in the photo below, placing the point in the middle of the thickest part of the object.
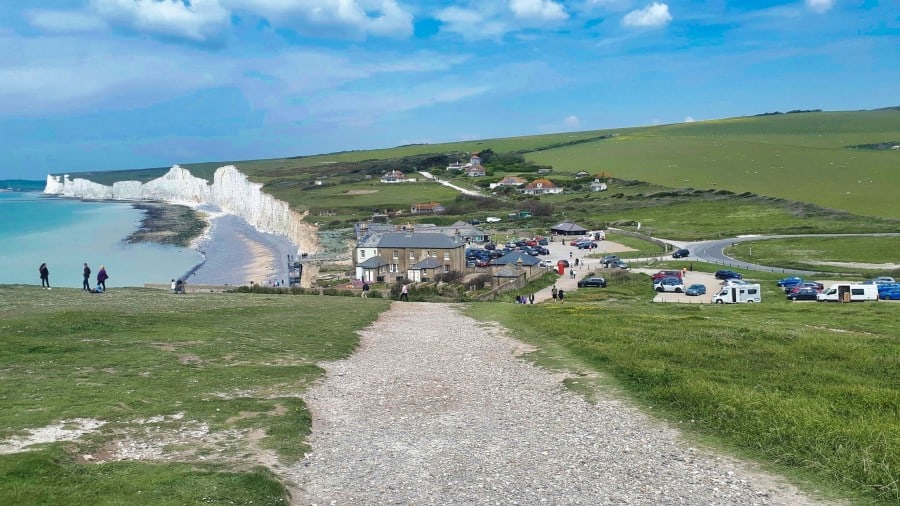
(810, 389)
(800, 157)
(206, 386)
(812, 253)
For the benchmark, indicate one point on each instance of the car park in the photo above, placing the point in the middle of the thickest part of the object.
(594, 282)
(727, 274)
(804, 293)
(669, 284)
(681, 253)
(695, 289)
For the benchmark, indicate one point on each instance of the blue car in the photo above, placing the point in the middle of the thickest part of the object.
(882, 289)
(726, 274)
(892, 294)
(790, 281)
(696, 289)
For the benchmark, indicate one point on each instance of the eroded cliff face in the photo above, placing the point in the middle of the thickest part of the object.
(231, 191)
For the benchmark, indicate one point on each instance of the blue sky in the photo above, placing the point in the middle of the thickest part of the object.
(120, 84)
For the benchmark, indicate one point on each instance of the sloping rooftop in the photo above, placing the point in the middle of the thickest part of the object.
(418, 240)
(513, 257)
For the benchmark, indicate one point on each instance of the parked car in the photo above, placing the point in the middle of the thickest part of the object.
(681, 253)
(735, 281)
(587, 245)
(695, 289)
(884, 280)
(790, 281)
(490, 246)
(492, 219)
(727, 274)
(890, 294)
(666, 274)
(608, 259)
(805, 293)
(543, 241)
(595, 282)
(618, 265)
(670, 284)
(547, 263)
(818, 287)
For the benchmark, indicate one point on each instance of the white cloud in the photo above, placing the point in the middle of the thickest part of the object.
(543, 10)
(689, 119)
(572, 122)
(654, 15)
(200, 21)
(473, 24)
(351, 17)
(64, 21)
(820, 6)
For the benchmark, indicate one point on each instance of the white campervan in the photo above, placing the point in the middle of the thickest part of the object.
(736, 294)
(849, 292)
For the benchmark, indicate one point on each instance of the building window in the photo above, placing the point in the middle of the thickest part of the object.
(362, 253)
(394, 268)
(446, 268)
(396, 254)
(412, 254)
(446, 256)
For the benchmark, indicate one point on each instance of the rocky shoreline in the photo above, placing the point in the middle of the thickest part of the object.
(168, 224)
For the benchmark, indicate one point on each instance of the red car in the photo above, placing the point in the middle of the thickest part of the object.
(666, 274)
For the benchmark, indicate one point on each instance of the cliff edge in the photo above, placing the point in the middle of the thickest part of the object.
(230, 191)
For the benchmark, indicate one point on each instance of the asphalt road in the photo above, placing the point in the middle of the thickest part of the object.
(713, 251)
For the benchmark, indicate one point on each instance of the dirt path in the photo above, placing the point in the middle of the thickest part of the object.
(436, 408)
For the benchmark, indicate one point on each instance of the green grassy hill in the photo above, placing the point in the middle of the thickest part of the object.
(814, 157)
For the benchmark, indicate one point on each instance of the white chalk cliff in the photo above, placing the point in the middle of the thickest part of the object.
(230, 190)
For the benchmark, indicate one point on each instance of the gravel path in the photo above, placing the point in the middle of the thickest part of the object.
(435, 408)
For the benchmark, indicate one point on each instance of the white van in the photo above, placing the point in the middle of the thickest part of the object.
(849, 292)
(736, 294)
(492, 219)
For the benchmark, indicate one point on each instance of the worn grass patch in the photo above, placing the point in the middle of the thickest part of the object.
(211, 378)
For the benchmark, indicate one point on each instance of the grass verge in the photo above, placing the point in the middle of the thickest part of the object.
(809, 389)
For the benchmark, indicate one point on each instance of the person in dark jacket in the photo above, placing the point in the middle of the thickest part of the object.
(86, 282)
(45, 276)
(102, 276)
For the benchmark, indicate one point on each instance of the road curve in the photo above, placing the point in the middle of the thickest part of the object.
(713, 251)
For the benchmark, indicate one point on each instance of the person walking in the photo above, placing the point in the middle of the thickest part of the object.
(45, 276)
(554, 292)
(365, 290)
(531, 298)
(561, 294)
(404, 292)
(86, 281)
(102, 276)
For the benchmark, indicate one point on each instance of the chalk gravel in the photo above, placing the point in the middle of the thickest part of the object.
(436, 408)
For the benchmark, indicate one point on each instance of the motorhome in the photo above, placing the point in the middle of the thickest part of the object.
(849, 292)
(736, 294)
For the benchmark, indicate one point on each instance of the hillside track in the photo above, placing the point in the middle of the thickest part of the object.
(438, 408)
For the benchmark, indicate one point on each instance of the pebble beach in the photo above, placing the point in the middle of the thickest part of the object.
(235, 253)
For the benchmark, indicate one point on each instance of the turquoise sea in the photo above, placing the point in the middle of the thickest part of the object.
(65, 233)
